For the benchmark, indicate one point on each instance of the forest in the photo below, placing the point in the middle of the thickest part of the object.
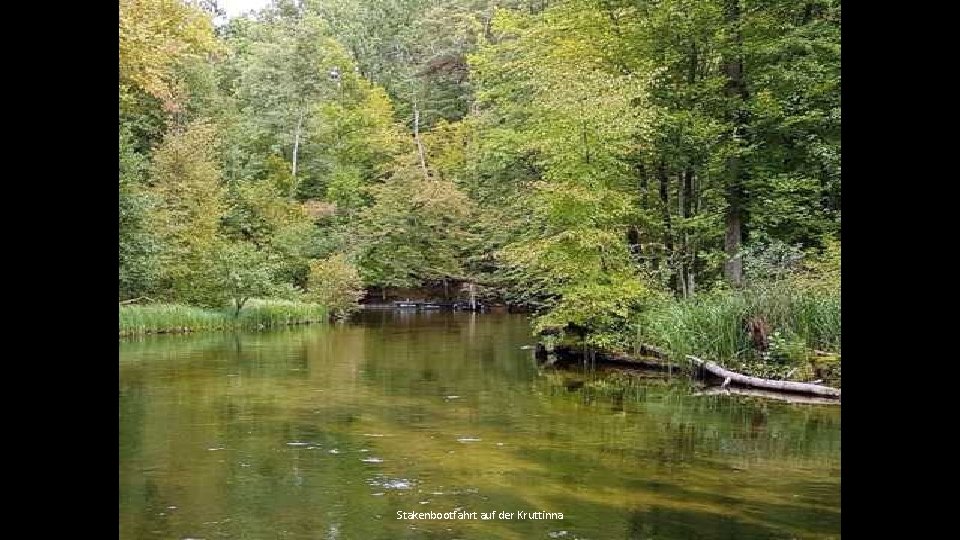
(629, 172)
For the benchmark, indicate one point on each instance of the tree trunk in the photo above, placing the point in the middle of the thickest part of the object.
(686, 191)
(688, 254)
(768, 384)
(642, 186)
(733, 267)
(697, 206)
(633, 231)
(416, 135)
(296, 144)
(682, 234)
(667, 223)
(736, 93)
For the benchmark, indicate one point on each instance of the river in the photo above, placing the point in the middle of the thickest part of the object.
(327, 432)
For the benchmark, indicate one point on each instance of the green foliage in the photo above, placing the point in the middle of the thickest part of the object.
(821, 271)
(763, 262)
(590, 160)
(787, 348)
(345, 188)
(568, 253)
(284, 100)
(416, 229)
(355, 140)
(185, 182)
(415, 48)
(335, 282)
(244, 272)
(264, 213)
(713, 326)
(154, 36)
(605, 310)
(269, 313)
(138, 246)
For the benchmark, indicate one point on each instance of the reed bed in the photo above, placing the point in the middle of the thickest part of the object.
(712, 326)
(271, 313)
(256, 314)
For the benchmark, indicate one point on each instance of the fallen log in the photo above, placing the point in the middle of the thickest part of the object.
(769, 394)
(767, 384)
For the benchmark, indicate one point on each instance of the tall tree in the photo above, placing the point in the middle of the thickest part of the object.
(138, 245)
(154, 36)
(584, 117)
(185, 181)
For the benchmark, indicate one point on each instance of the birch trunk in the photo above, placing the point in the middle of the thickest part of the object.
(416, 136)
(296, 144)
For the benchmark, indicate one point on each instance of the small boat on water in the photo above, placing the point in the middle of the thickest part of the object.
(424, 305)
(468, 306)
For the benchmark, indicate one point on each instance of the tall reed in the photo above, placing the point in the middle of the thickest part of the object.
(176, 318)
(713, 325)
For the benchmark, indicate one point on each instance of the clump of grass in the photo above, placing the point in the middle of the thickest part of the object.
(712, 325)
(176, 318)
(707, 325)
(169, 318)
(271, 313)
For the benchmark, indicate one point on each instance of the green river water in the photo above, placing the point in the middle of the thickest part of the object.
(327, 432)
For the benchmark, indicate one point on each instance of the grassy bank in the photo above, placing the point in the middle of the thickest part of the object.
(177, 318)
(714, 326)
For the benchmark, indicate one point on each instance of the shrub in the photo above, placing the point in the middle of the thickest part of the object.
(335, 282)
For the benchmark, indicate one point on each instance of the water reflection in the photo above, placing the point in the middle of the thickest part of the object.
(323, 432)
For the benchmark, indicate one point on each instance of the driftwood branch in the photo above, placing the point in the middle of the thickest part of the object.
(766, 384)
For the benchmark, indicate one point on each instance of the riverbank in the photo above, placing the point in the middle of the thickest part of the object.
(178, 318)
(788, 330)
(784, 331)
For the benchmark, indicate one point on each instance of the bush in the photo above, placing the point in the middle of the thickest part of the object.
(335, 282)
(602, 311)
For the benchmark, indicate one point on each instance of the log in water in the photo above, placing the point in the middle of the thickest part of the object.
(766, 384)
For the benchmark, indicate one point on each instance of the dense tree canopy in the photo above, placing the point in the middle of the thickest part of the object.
(580, 157)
